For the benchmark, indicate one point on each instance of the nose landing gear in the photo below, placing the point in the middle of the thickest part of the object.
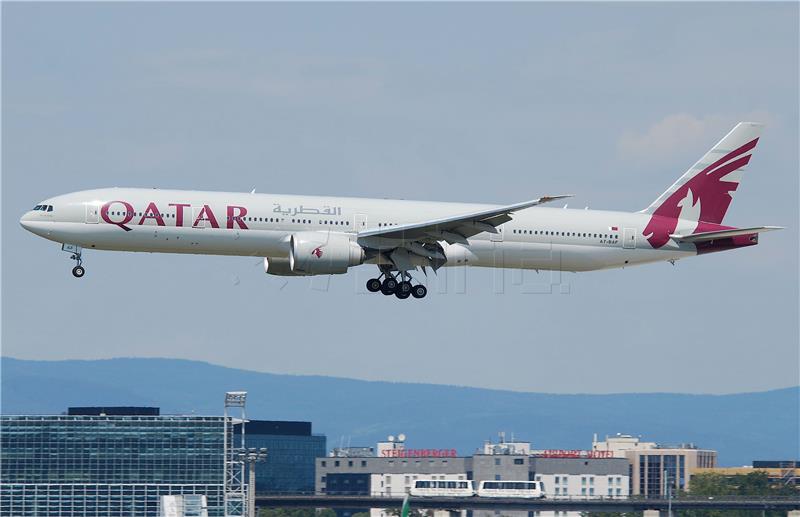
(78, 270)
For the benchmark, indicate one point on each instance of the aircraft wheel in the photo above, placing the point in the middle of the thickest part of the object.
(419, 291)
(402, 295)
(389, 285)
(404, 287)
(373, 285)
(78, 271)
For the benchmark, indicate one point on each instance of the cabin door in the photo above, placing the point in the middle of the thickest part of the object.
(92, 214)
(497, 237)
(629, 238)
(360, 223)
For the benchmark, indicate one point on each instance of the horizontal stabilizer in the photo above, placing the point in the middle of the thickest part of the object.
(722, 234)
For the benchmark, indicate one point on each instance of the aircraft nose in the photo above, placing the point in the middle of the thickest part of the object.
(25, 221)
(30, 222)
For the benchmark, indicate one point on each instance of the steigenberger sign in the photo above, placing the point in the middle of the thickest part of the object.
(419, 453)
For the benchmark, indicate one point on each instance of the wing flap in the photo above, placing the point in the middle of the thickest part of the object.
(722, 234)
(468, 224)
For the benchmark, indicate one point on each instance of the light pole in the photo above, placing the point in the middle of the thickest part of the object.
(234, 497)
(252, 456)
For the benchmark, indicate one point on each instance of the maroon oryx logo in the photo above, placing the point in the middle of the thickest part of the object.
(317, 252)
(701, 200)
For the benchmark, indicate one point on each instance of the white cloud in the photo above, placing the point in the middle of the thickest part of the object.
(681, 133)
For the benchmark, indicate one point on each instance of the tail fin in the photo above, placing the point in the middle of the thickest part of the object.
(705, 189)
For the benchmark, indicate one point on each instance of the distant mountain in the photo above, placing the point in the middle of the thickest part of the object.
(742, 427)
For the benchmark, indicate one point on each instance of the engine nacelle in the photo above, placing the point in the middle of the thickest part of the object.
(323, 253)
(278, 266)
(458, 255)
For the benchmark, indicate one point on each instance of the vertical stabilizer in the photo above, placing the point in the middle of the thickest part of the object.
(704, 193)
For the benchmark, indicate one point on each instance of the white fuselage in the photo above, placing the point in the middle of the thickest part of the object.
(249, 224)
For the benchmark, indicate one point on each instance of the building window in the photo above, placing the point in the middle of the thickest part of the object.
(363, 463)
(323, 463)
(497, 477)
(654, 466)
(519, 461)
(497, 461)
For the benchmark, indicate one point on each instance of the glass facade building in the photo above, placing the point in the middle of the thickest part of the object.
(110, 465)
(654, 466)
(292, 450)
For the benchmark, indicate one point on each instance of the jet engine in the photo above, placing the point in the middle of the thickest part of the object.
(322, 253)
(278, 266)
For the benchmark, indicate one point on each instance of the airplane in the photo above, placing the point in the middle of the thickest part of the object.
(325, 235)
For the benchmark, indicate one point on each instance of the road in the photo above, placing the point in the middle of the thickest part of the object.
(475, 503)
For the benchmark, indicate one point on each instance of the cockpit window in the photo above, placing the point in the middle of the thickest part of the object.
(44, 208)
(37, 207)
(49, 208)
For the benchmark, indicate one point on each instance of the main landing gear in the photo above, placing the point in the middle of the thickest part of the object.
(78, 270)
(391, 286)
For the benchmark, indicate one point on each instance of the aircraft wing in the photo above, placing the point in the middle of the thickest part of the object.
(722, 234)
(457, 228)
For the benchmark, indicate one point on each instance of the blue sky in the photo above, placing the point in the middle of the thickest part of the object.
(458, 102)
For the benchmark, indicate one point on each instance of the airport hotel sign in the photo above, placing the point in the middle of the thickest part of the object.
(569, 453)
